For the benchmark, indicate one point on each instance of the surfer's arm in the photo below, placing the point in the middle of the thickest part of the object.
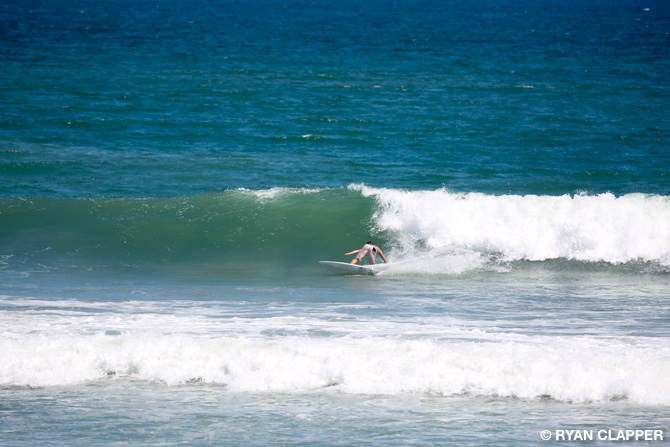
(379, 250)
(352, 252)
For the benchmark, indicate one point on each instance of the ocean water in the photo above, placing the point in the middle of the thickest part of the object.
(172, 171)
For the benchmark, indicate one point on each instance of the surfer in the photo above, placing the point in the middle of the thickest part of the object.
(370, 250)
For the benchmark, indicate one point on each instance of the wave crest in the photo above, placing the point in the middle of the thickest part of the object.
(591, 228)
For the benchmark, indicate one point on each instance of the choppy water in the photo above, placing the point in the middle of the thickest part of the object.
(172, 172)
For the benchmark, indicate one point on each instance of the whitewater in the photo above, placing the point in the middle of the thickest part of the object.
(59, 343)
(582, 227)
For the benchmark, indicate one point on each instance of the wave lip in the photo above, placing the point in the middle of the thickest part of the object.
(591, 228)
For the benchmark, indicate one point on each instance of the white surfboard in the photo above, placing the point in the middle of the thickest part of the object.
(344, 268)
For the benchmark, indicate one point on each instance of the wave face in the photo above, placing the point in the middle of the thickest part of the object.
(421, 231)
(235, 227)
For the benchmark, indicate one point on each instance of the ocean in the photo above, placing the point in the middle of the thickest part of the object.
(172, 172)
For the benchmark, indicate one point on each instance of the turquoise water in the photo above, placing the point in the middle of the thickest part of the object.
(172, 172)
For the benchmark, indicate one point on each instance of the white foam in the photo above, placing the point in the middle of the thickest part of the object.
(592, 228)
(266, 194)
(569, 369)
(59, 343)
(434, 262)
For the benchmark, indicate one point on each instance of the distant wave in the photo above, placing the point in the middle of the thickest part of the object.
(423, 232)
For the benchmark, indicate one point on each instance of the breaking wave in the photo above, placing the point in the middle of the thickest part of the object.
(287, 354)
(425, 232)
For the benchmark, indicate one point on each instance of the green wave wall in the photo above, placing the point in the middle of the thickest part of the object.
(234, 228)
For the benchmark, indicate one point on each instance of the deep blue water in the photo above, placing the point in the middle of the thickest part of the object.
(171, 171)
(548, 98)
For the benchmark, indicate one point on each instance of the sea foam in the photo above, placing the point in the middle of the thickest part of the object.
(569, 369)
(590, 228)
(63, 343)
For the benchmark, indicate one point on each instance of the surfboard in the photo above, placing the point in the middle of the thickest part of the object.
(344, 268)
